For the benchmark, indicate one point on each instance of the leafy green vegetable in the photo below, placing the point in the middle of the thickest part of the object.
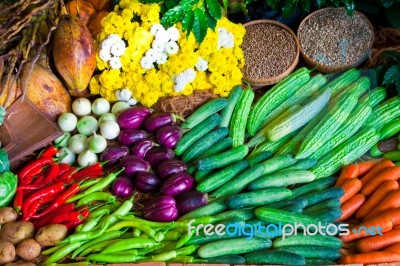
(4, 162)
(8, 187)
(389, 72)
(2, 114)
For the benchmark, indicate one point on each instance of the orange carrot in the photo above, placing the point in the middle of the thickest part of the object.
(347, 172)
(391, 201)
(385, 189)
(371, 257)
(365, 167)
(393, 248)
(384, 221)
(390, 173)
(396, 227)
(351, 206)
(378, 242)
(351, 187)
(376, 170)
(394, 215)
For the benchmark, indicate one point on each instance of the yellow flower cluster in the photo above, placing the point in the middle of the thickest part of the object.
(132, 21)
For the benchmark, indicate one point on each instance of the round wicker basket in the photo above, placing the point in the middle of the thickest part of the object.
(260, 82)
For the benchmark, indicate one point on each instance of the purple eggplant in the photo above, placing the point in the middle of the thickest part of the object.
(158, 154)
(190, 200)
(157, 121)
(161, 209)
(129, 137)
(113, 155)
(133, 164)
(145, 182)
(133, 118)
(122, 187)
(169, 167)
(177, 184)
(142, 147)
(169, 136)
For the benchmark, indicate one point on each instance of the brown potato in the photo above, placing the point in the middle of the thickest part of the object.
(7, 252)
(15, 232)
(21, 263)
(50, 234)
(28, 249)
(7, 215)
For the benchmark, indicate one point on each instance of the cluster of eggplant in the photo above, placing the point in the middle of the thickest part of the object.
(145, 152)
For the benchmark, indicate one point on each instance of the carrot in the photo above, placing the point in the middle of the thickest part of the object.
(371, 257)
(378, 242)
(351, 187)
(394, 215)
(365, 167)
(384, 221)
(376, 170)
(391, 201)
(396, 227)
(393, 248)
(385, 189)
(351, 206)
(391, 173)
(347, 172)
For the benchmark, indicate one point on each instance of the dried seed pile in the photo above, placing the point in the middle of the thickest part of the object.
(333, 38)
(269, 50)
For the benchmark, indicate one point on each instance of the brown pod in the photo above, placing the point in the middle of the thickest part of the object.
(74, 53)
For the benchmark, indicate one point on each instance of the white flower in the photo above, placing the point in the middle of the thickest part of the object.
(118, 95)
(172, 48)
(115, 62)
(132, 101)
(190, 74)
(201, 64)
(146, 63)
(114, 37)
(179, 87)
(162, 58)
(158, 45)
(156, 28)
(151, 54)
(173, 33)
(225, 39)
(125, 95)
(162, 36)
(105, 55)
(118, 48)
(106, 44)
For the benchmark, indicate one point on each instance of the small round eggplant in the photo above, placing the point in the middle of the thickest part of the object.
(177, 184)
(145, 182)
(161, 209)
(113, 155)
(169, 167)
(129, 137)
(133, 164)
(157, 121)
(169, 136)
(133, 118)
(141, 147)
(190, 200)
(158, 154)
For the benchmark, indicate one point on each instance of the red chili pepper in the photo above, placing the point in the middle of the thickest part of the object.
(34, 207)
(51, 173)
(71, 225)
(63, 168)
(66, 177)
(72, 190)
(69, 207)
(34, 168)
(18, 199)
(32, 187)
(39, 180)
(92, 175)
(49, 152)
(65, 217)
(97, 167)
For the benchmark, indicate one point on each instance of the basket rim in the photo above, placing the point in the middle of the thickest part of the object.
(275, 79)
(332, 69)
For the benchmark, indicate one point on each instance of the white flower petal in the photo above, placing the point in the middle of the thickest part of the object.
(114, 37)
(172, 48)
(201, 64)
(132, 101)
(162, 36)
(115, 62)
(179, 87)
(173, 33)
(162, 58)
(146, 63)
(125, 94)
(118, 48)
(106, 44)
(105, 55)
(156, 28)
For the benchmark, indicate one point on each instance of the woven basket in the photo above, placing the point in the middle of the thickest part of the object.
(272, 80)
(333, 69)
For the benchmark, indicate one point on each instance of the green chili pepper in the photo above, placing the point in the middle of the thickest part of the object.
(136, 232)
(81, 263)
(96, 196)
(98, 247)
(127, 252)
(172, 235)
(84, 236)
(143, 227)
(164, 256)
(132, 243)
(52, 250)
(187, 250)
(113, 258)
(62, 252)
(184, 239)
(90, 183)
(183, 259)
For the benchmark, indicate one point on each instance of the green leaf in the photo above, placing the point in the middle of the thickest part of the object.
(173, 15)
(273, 4)
(395, 56)
(392, 16)
(187, 22)
(212, 22)
(387, 3)
(214, 8)
(4, 162)
(171, 3)
(2, 114)
(150, 1)
(349, 5)
(398, 84)
(391, 74)
(305, 5)
(199, 25)
(289, 8)
(320, 3)
(8, 187)
(336, 3)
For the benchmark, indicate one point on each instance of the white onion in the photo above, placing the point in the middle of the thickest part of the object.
(118, 107)
(67, 122)
(100, 106)
(87, 125)
(107, 117)
(69, 158)
(109, 129)
(96, 143)
(81, 107)
(87, 158)
(63, 140)
(77, 143)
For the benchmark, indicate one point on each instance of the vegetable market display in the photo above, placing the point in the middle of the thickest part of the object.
(125, 182)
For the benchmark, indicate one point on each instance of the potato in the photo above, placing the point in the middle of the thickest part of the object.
(50, 234)
(15, 232)
(7, 215)
(21, 263)
(28, 249)
(7, 252)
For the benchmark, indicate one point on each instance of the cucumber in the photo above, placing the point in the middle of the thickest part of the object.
(257, 198)
(313, 252)
(374, 97)
(318, 262)
(191, 169)
(319, 196)
(274, 257)
(226, 113)
(262, 156)
(301, 202)
(308, 240)
(201, 174)
(219, 147)
(221, 177)
(278, 163)
(204, 143)
(282, 179)
(223, 159)
(274, 216)
(196, 133)
(330, 203)
(213, 207)
(328, 214)
(233, 246)
(226, 259)
(243, 214)
(293, 209)
(316, 185)
(344, 80)
(239, 117)
(207, 109)
(302, 164)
